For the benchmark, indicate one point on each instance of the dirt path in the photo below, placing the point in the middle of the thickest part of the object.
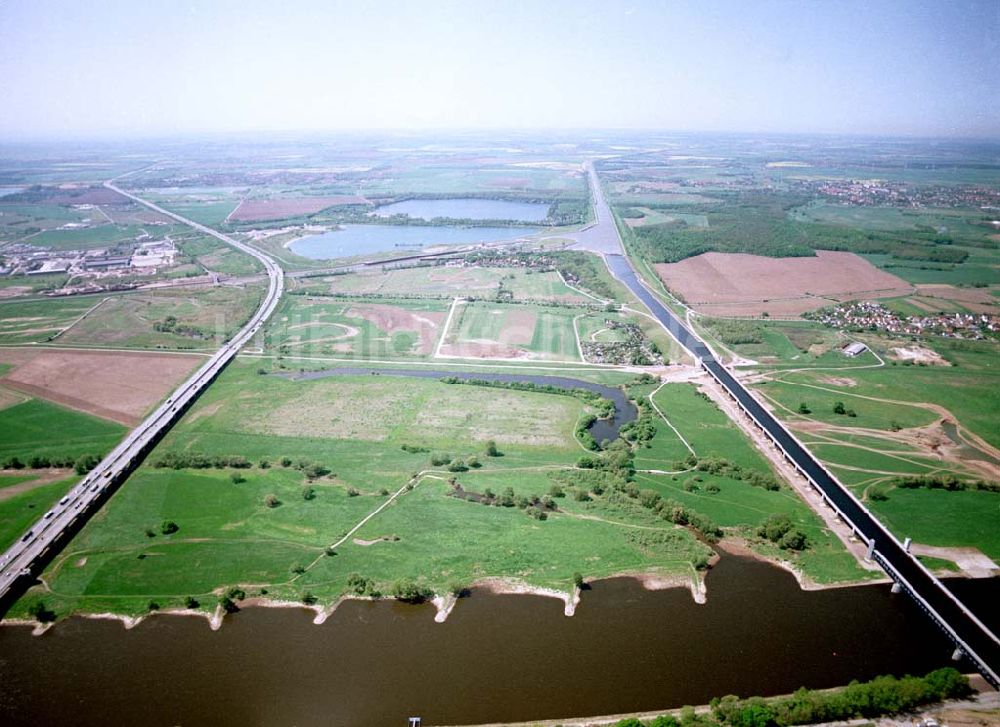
(43, 477)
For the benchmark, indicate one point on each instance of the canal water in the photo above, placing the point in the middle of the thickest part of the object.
(496, 658)
(467, 209)
(352, 239)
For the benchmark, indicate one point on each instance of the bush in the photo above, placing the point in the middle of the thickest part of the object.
(439, 459)
(308, 493)
(271, 501)
(237, 478)
(409, 591)
(85, 463)
(167, 527)
(191, 602)
(352, 492)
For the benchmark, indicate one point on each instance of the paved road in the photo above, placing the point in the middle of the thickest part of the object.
(970, 635)
(35, 548)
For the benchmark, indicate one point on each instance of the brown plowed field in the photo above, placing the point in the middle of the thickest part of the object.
(740, 284)
(977, 300)
(279, 209)
(121, 387)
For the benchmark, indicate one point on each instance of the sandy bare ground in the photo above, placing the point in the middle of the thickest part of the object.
(110, 384)
(391, 319)
(971, 560)
(919, 354)
(41, 477)
(279, 209)
(741, 284)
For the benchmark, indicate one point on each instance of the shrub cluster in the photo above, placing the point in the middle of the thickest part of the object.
(779, 530)
(193, 460)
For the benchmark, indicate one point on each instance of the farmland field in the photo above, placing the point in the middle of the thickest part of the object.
(481, 330)
(369, 328)
(196, 318)
(119, 387)
(749, 285)
(31, 321)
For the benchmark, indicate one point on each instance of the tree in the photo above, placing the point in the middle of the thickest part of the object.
(839, 408)
(191, 602)
(168, 527)
(153, 606)
(264, 464)
(578, 580)
(308, 493)
(40, 613)
(352, 492)
(286, 462)
(804, 408)
(228, 604)
(271, 501)
(237, 478)
(491, 449)
(308, 598)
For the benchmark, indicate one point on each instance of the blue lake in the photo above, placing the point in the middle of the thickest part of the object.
(466, 209)
(366, 239)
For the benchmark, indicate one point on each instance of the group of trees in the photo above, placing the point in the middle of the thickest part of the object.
(943, 482)
(81, 464)
(194, 460)
(725, 468)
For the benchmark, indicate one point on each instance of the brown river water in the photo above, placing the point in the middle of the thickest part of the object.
(496, 658)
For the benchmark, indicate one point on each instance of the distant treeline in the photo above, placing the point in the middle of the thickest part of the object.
(758, 222)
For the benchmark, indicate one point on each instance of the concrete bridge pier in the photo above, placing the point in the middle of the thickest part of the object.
(871, 551)
(896, 588)
(957, 654)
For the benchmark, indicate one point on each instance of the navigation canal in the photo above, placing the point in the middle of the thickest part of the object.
(496, 658)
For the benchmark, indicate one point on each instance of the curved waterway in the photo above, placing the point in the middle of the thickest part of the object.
(601, 429)
(496, 658)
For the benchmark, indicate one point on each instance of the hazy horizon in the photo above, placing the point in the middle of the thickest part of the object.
(889, 69)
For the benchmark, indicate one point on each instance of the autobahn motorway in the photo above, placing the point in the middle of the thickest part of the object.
(971, 636)
(23, 560)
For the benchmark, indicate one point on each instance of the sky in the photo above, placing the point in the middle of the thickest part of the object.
(152, 67)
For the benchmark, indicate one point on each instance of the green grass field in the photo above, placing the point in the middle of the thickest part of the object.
(27, 429)
(18, 512)
(355, 426)
(936, 517)
(512, 331)
(39, 320)
(85, 238)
